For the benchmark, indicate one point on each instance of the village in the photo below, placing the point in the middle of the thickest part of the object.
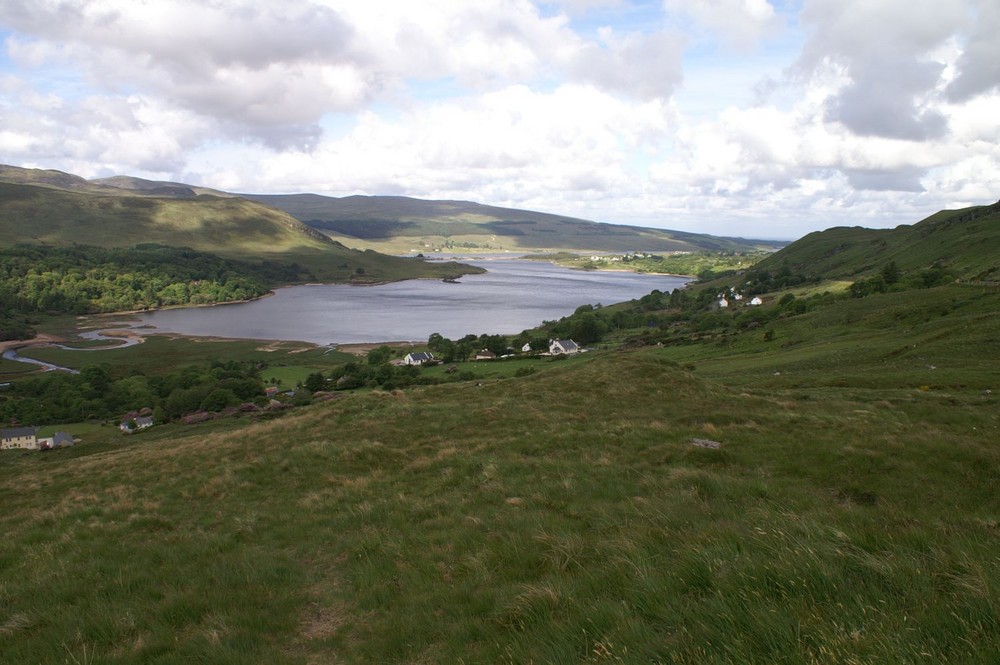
(27, 438)
(556, 347)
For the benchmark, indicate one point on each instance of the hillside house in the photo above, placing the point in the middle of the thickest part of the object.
(418, 358)
(19, 438)
(756, 301)
(131, 425)
(58, 440)
(526, 348)
(485, 354)
(563, 346)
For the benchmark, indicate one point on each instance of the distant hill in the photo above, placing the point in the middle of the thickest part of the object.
(964, 242)
(61, 209)
(402, 222)
(398, 224)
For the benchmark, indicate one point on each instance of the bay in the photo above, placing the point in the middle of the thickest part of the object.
(511, 296)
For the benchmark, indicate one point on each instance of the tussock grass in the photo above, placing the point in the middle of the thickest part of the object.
(562, 517)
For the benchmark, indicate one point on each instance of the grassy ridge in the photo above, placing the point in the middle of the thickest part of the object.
(562, 517)
(227, 226)
(402, 223)
(966, 242)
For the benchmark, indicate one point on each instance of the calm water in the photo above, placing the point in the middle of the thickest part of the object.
(513, 296)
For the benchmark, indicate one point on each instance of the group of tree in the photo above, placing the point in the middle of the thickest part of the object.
(14, 325)
(890, 278)
(460, 350)
(98, 392)
(83, 279)
(761, 281)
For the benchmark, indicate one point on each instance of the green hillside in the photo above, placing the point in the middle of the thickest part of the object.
(398, 224)
(403, 223)
(224, 225)
(53, 208)
(964, 242)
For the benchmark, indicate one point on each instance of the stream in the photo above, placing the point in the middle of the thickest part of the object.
(12, 354)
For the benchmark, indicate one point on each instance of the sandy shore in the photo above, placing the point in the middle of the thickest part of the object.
(37, 340)
(363, 349)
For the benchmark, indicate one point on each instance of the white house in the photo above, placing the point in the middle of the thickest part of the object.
(24, 438)
(562, 346)
(722, 302)
(756, 301)
(526, 348)
(418, 358)
(134, 424)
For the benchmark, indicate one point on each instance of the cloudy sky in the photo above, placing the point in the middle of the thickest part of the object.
(731, 117)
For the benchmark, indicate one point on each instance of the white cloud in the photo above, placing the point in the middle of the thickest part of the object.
(884, 49)
(979, 66)
(742, 24)
(560, 145)
(646, 66)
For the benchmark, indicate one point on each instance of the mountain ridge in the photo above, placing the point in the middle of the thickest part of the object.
(397, 224)
(965, 242)
(377, 219)
(47, 207)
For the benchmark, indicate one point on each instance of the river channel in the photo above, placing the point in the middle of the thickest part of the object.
(511, 296)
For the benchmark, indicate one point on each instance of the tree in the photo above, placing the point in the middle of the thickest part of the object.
(436, 341)
(219, 399)
(588, 328)
(315, 382)
(890, 273)
(380, 355)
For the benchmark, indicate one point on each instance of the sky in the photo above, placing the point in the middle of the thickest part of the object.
(741, 118)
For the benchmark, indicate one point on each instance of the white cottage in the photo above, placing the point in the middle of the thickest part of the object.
(562, 346)
(418, 358)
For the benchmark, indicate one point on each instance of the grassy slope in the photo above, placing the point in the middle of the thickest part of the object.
(404, 223)
(230, 227)
(966, 241)
(563, 517)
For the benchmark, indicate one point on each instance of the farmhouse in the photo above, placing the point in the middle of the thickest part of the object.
(131, 425)
(418, 358)
(24, 438)
(562, 346)
(58, 440)
(485, 354)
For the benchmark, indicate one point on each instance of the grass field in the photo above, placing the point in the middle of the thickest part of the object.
(161, 353)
